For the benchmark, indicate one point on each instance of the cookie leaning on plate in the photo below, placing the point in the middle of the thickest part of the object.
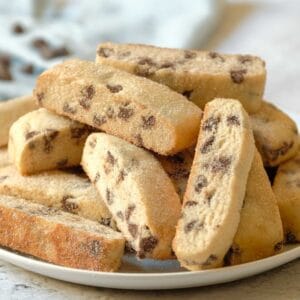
(59, 189)
(260, 232)
(136, 109)
(216, 186)
(287, 190)
(200, 76)
(58, 237)
(136, 190)
(275, 134)
(42, 140)
(10, 111)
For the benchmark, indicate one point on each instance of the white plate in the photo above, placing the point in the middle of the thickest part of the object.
(151, 275)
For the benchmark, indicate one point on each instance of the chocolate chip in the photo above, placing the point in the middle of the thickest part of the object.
(245, 59)
(221, 164)
(273, 154)
(105, 221)
(105, 52)
(99, 120)
(133, 230)
(124, 54)
(48, 53)
(211, 123)
(18, 28)
(77, 132)
(93, 143)
(120, 215)
(278, 246)
(187, 93)
(28, 69)
(68, 205)
(48, 138)
(2, 178)
(129, 211)
(39, 43)
(95, 247)
(201, 182)
(148, 244)
(206, 146)
(31, 134)
(109, 197)
(40, 97)
(189, 226)
(97, 177)
(145, 67)
(114, 88)
(110, 113)
(148, 122)
(68, 109)
(190, 203)
(233, 120)
(237, 76)
(189, 54)
(110, 158)
(125, 113)
(146, 61)
(210, 260)
(167, 65)
(5, 73)
(215, 55)
(87, 94)
(62, 163)
(290, 238)
(121, 176)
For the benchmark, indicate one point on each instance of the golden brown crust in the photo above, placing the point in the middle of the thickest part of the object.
(55, 242)
(199, 75)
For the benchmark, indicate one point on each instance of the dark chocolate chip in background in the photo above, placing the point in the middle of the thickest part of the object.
(211, 123)
(18, 28)
(129, 211)
(189, 54)
(233, 120)
(167, 65)
(133, 230)
(125, 113)
(110, 159)
(5, 60)
(105, 221)
(68, 109)
(189, 226)
(148, 244)
(206, 146)
(99, 120)
(39, 43)
(109, 197)
(31, 134)
(121, 176)
(245, 58)
(28, 69)
(190, 203)
(215, 55)
(200, 183)
(221, 164)
(67, 205)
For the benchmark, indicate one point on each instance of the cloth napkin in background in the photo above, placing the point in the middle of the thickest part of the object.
(81, 25)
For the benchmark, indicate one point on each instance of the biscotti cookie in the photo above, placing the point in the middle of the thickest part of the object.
(216, 186)
(62, 190)
(58, 237)
(260, 231)
(10, 111)
(178, 168)
(136, 109)
(200, 76)
(42, 140)
(287, 190)
(137, 191)
(275, 133)
(4, 161)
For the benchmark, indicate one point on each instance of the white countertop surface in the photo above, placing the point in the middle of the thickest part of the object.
(270, 29)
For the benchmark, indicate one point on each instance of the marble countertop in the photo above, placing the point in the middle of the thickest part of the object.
(270, 29)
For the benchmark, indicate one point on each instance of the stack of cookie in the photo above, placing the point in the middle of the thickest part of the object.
(158, 175)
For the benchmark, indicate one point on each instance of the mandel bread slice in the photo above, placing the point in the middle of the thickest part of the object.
(199, 75)
(59, 189)
(216, 186)
(139, 194)
(58, 237)
(42, 140)
(136, 109)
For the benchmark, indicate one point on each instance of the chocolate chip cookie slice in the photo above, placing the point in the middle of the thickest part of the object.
(62, 190)
(42, 140)
(136, 109)
(136, 190)
(275, 134)
(287, 190)
(199, 75)
(216, 186)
